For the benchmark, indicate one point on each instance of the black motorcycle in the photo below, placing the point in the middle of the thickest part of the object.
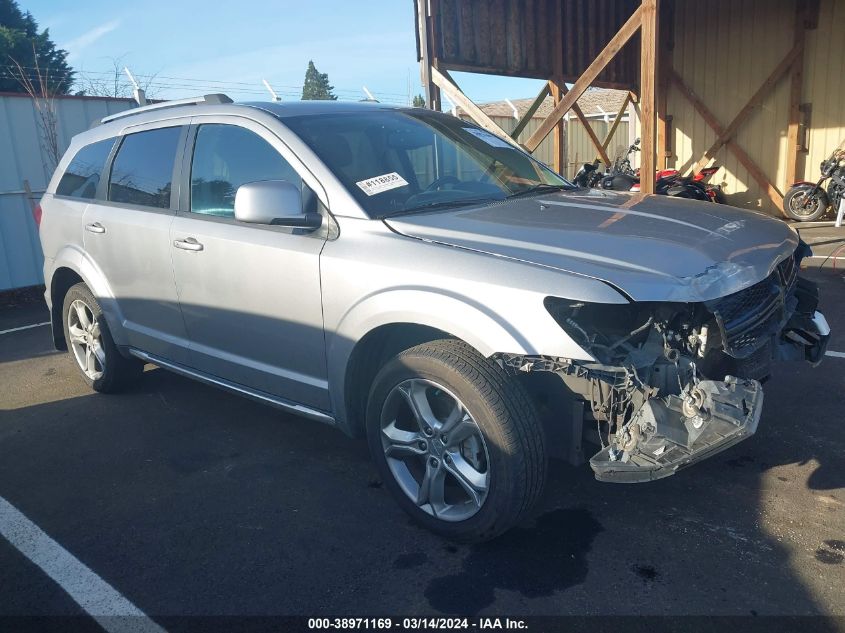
(806, 201)
(589, 175)
(668, 182)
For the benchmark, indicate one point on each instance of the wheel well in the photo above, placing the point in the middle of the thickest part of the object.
(63, 280)
(370, 354)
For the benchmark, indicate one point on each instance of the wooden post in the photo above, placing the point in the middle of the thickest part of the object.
(559, 158)
(666, 27)
(648, 67)
(557, 90)
(432, 92)
(795, 96)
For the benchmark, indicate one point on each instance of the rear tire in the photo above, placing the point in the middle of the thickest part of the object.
(90, 344)
(799, 208)
(469, 480)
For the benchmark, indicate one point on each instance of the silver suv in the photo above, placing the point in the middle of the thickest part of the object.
(408, 276)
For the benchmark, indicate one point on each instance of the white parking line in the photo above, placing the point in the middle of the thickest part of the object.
(835, 354)
(24, 327)
(96, 597)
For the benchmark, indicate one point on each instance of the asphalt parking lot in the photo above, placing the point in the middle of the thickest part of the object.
(190, 501)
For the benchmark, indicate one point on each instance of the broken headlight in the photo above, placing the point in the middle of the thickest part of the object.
(611, 332)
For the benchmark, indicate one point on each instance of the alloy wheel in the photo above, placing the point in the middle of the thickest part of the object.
(86, 340)
(435, 450)
(803, 205)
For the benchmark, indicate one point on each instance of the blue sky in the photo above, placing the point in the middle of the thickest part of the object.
(189, 44)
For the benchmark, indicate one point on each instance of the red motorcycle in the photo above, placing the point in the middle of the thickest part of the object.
(696, 187)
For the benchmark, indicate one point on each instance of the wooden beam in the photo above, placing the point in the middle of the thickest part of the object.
(796, 88)
(755, 100)
(666, 16)
(593, 70)
(443, 81)
(742, 156)
(600, 150)
(532, 109)
(559, 136)
(558, 89)
(616, 121)
(648, 96)
(432, 93)
(522, 74)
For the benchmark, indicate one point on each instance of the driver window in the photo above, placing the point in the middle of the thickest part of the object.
(226, 157)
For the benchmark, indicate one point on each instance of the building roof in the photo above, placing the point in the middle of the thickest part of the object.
(595, 101)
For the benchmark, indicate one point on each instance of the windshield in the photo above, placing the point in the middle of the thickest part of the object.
(401, 161)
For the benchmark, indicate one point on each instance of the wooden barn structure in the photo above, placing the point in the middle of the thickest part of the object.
(755, 85)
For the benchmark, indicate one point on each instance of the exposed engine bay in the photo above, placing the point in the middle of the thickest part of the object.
(673, 383)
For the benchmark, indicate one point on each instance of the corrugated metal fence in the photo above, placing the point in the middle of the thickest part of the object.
(23, 159)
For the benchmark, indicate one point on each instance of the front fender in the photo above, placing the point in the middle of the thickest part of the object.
(75, 259)
(515, 321)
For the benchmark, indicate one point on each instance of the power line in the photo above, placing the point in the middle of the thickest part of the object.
(186, 82)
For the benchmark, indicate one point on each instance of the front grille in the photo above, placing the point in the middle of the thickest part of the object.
(748, 318)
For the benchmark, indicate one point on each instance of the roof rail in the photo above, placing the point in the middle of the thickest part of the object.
(210, 99)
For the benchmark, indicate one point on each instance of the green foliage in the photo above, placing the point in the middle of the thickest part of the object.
(21, 42)
(316, 85)
(419, 101)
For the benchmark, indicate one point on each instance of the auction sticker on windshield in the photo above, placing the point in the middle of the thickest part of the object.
(372, 186)
(491, 139)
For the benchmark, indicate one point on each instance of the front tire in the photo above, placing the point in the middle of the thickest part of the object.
(456, 441)
(798, 206)
(91, 346)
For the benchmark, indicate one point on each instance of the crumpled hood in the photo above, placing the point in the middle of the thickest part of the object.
(654, 248)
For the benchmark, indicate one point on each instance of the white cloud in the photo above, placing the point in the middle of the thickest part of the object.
(80, 43)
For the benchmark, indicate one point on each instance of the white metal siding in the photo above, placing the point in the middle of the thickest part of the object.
(22, 158)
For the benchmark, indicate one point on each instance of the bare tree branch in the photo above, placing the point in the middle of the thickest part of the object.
(37, 85)
(114, 83)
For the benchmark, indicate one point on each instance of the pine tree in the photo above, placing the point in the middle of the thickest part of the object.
(419, 101)
(317, 85)
(22, 43)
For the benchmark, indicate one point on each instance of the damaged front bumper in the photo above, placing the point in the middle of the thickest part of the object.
(667, 434)
(673, 384)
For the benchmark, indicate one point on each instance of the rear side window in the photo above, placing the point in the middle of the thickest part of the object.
(142, 171)
(226, 157)
(82, 176)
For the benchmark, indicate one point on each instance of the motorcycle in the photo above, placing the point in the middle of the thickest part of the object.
(668, 182)
(588, 176)
(714, 192)
(806, 201)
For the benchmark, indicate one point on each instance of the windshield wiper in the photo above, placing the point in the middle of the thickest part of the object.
(461, 202)
(538, 188)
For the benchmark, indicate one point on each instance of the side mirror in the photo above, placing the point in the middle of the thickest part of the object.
(274, 202)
